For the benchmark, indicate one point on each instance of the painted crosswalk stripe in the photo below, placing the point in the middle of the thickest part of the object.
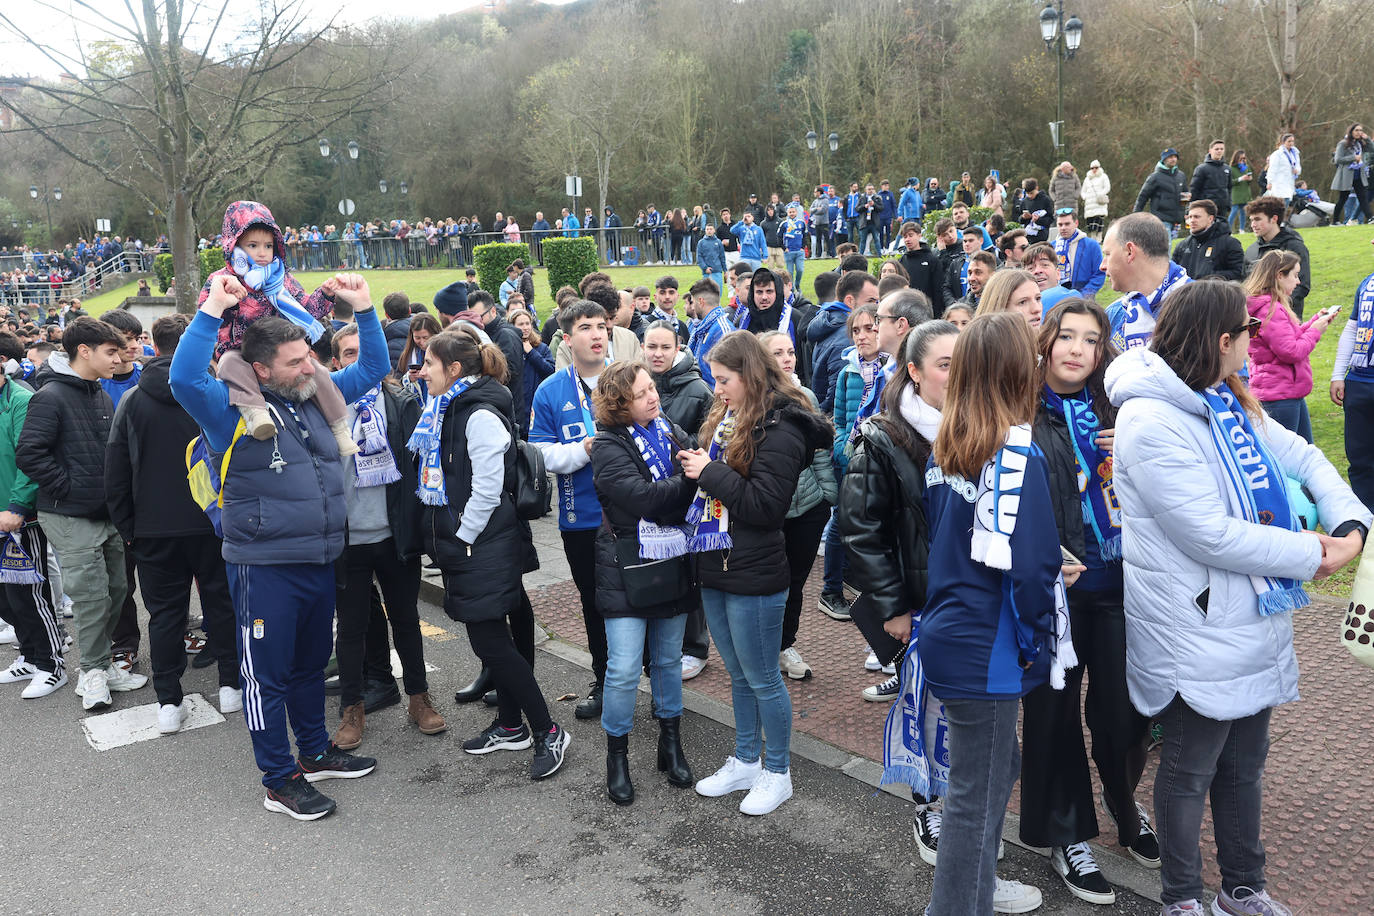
(438, 634)
(397, 671)
(139, 723)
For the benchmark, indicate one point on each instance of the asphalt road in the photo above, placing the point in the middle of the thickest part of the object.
(176, 824)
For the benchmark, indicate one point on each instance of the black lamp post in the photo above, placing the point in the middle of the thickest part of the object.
(346, 206)
(813, 145)
(47, 195)
(1064, 43)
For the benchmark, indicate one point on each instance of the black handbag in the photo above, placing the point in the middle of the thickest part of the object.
(649, 583)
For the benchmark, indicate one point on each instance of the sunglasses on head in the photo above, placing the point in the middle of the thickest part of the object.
(1065, 211)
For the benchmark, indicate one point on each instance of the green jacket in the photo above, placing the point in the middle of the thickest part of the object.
(1241, 191)
(17, 492)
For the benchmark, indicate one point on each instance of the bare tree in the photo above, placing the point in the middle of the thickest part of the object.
(174, 125)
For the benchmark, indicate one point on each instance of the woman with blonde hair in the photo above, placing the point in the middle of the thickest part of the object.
(1281, 347)
(991, 196)
(1012, 290)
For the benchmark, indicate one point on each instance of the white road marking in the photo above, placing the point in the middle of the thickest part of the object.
(396, 665)
(139, 723)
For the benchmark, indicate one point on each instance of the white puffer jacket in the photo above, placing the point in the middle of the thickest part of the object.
(1096, 191)
(1193, 626)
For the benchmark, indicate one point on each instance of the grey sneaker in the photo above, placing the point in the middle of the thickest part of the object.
(1247, 902)
(1182, 908)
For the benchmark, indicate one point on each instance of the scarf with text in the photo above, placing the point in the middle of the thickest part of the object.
(1100, 510)
(1364, 322)
(374, 465)
(16, 566)
(916, 734)
(1256, 491)
(1139, 325)
(427, 441)
(709, 518)
(655, 444)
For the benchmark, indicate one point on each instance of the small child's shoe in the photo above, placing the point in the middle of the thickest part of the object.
(258, 422)
(344, 436)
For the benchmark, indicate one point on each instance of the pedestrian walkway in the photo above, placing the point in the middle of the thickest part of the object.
(1315, 829)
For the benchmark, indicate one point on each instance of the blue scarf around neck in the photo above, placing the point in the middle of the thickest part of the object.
(270, 281)
(427, 441)
(1094, 471)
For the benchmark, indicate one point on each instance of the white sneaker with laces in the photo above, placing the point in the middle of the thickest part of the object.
(733, 777)
(770, 790)
(793, 665)
(119, 680)
(692, 666)
(871, 663)
(43, 683)
(19, 670)
(230, 700)
(170, 718)
(94, 689)
(7, 636)
(1015, 897)
(67, 610)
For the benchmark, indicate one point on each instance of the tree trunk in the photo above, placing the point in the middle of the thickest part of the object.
(1199, 89)
(185, 257)
(1288, 105)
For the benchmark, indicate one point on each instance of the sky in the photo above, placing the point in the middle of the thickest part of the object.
(62, 23)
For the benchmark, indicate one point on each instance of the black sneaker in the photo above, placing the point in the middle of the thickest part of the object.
(926, 829)
(336, 764)
(499, 738)
(834, 604)
(1081, 875)
(380, 694)
(590, 708)
(548, 752)
(1145, 848)
(297, 798)
(884, 692)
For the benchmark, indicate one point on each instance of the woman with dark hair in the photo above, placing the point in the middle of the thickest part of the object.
(538, 359)
(1242, 190)
(1354, 154)
(760, 434)
(412, 358)
(643, 579)
(1281, 346)
(465, 444)
(1213, 569)
(1073, 428)
(993, 600)
(677, 236)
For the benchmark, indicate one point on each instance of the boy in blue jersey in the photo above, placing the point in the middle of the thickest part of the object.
(562, 428)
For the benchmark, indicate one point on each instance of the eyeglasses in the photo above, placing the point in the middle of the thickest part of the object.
(1251, 325)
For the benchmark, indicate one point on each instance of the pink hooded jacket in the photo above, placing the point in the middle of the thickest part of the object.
(1280, 354)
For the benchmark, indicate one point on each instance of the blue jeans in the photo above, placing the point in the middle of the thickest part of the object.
(748, 634)
(625, 660)
(867, 234)
(984, 761)
(1292, 415)
(753, 263)
(1236, 218)
(796, 263)
(832, 582)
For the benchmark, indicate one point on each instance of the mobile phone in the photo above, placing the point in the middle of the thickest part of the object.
(1069, 559)
(1333, 310)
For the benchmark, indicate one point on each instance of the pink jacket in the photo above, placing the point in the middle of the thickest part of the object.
(1280, 354)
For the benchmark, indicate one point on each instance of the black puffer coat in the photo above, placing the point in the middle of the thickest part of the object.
(1051, 433)
(627, 494)
(756, 564)
(882, 519)
(62, 447)
(481, 579)
(684, 397)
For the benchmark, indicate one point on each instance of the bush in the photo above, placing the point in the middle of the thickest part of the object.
(975, 215)
(162, 266)
(569, 260)
(211, 260)
(491, 261)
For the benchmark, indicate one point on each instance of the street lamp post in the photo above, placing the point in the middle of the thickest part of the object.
(346, 206)
(48, 195)
(1064, 43)
(811, 144)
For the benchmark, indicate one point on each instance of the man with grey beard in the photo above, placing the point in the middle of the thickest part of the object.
(283, 518)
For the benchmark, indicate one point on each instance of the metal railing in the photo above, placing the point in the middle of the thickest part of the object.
(41, 291)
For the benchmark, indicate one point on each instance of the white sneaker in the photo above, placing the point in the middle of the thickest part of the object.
(734, 776)
(1015, 897)
(7, 636)
(43, 684)
(771, 790)
(871, 663)
(19, 670)
(793, 665)
(119, 680)
(692, 666)
(94, 689)
(230, 700)
(67, 610)
(170, 718)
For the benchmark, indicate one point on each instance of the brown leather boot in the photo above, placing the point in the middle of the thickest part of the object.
(423, 714)
(350, 733)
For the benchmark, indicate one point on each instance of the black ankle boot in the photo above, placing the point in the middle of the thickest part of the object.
(474, 691)
(670, 756)
(590, 708)
(618, 785)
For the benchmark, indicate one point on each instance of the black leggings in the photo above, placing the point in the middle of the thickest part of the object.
(580, 548)
(516, 689)
(802, 535)
(1361, 192)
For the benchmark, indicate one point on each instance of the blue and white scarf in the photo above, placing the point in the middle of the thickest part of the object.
(1139, 325)
(655, 444)
(873, 394)
(1257, 490)
(1100, 511)
(709, 518)
(427, 441)
(916, 735)
(374, 465)
(1066, 250)
(994, 521)
(271, 282)
(16, 566)
(1364, 323)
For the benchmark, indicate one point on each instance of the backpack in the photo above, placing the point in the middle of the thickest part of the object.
(205, 473)
(533, 494)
